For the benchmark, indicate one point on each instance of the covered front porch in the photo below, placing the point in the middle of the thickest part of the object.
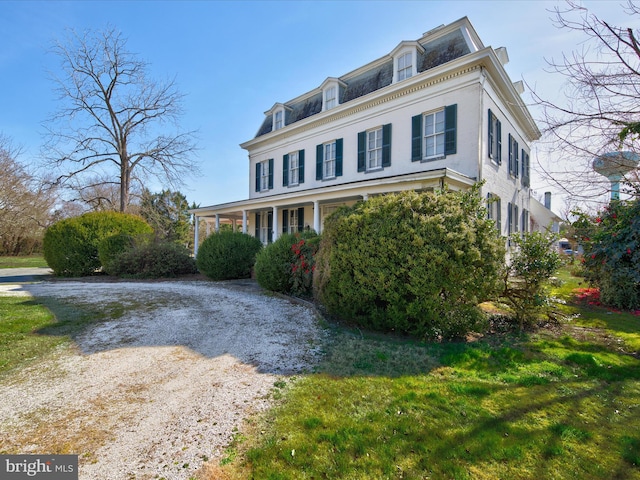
(268, 217)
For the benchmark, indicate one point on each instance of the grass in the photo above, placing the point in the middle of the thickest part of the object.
(22, 262)
(561, 403)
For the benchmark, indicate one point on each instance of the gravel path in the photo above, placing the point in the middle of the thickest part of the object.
(159, 390)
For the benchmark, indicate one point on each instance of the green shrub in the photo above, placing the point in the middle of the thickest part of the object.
(112, 246)
(532, 264)
(287, 264)
(611, 257)
(154, 260)
(416, 263)
(227, 255)
(70, 246)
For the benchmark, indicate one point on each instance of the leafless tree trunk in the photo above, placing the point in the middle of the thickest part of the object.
(601, 98)
(114, 124)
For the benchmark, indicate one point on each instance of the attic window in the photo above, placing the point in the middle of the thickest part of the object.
(405, 60)
(330, 97)
(278, 119)
(405, 66)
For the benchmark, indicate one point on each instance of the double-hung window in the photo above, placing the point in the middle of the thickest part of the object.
(330, 97)
(513, 156)
(494, 142)
(329, 160)
(374, 149)
(525, 169)
(294, 168)
(278, 121)
(264, 176)
(405, 66)
(434, 134)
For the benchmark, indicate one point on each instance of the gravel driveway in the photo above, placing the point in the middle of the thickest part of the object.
(159, 390)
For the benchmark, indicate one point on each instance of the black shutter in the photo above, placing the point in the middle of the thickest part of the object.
(510, 154)
(339, 157)
(258, 167)
(269, 227)
(499, 210)
(285, 170)
(416, 138)
(319, 160)
(450, 122)
(301, 166)
(257, 225)
(285, 220)
(499, 142)
(386, 145)
(490, 138)
(270, 173)
(516, 163)
(362, 151)
(300, 219)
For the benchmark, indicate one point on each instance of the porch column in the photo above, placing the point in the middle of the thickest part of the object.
(217, 222)
(196, 235)
(316, 216)
(276, 228)
(244, 221)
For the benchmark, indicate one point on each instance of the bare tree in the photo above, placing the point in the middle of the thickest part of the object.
(25, 207)
(601, 100)
(115, 125)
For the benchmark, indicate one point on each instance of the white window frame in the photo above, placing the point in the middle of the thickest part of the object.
(264, 175)
(278, 119)
(294, 168)
(329, 160)
(495, 153)
(374, 149)
(264, 227)
(435, 132)
(293, 221)
(405, 70)
(330, 97)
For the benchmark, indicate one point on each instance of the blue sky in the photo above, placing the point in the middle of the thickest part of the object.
(234, 60)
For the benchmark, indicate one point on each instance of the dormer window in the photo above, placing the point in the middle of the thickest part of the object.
(278, 120)
(405, 60)
(330, 98)
(405, 66)
(331, 91)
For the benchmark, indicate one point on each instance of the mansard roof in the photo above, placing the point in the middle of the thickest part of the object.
(438, 46)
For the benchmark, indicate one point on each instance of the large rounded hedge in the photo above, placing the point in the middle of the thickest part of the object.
(70, 246)
(227, 255)
(416, 263)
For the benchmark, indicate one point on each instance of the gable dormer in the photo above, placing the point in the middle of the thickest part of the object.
(279, 113)
(332, 90)
(405, 60)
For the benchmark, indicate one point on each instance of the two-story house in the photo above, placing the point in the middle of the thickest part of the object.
(434, 111)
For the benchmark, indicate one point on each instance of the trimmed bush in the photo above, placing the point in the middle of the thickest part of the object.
(228, 255)
(416, 263)
(115, 245)
(154, 260)
(287, 264)
(70, 246)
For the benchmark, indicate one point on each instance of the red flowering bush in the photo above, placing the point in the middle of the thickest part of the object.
(303, 266)
(611, 242)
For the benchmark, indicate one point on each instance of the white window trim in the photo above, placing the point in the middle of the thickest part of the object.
(280, 111)
(328, 161)
(264, 176)
(378, 149)
(294, 172)
(402, 49)
(436, 135)
(293, 221)
(327, 85)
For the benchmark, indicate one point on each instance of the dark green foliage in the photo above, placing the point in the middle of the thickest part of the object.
(611, 242)
(418, 263)
(71, 245)
(167, 212)
(532, 264)
(154, 260)
(115, 245)
(275, 264)
(227, 255)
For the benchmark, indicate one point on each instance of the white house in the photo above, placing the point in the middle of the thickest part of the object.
(434, 111)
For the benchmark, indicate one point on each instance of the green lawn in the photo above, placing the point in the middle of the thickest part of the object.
(563, 403)
(19, 262)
